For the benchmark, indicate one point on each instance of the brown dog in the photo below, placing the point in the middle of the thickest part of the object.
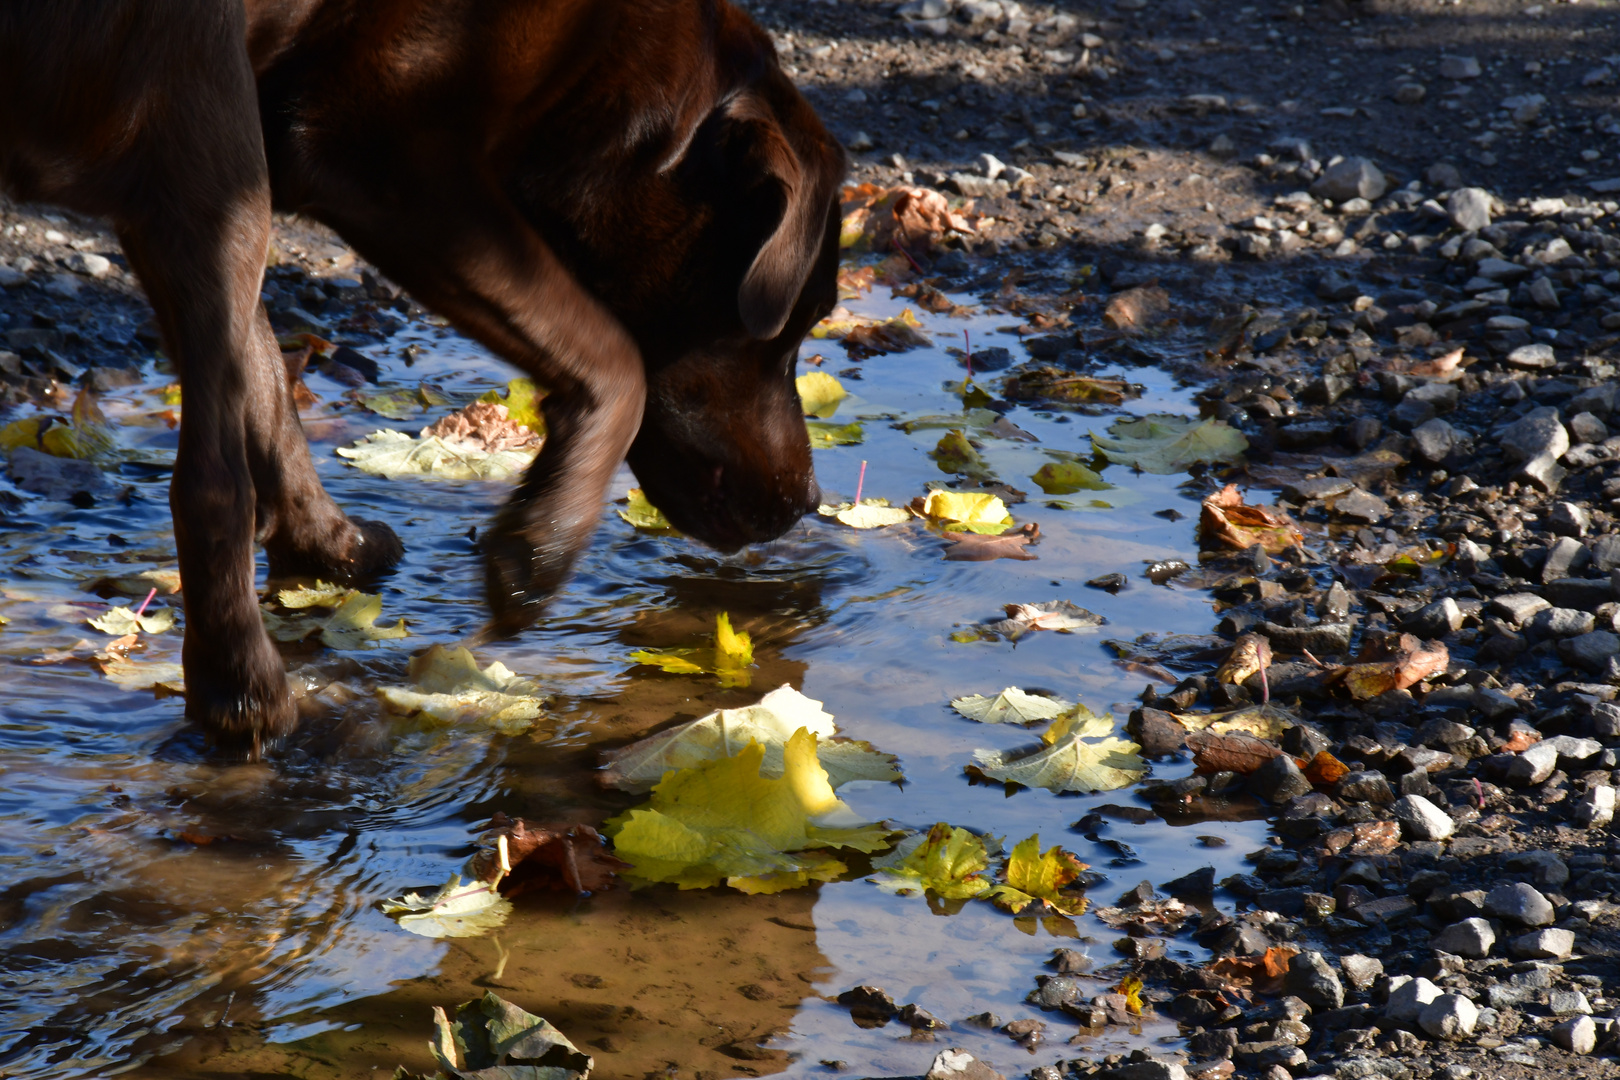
(625, 198)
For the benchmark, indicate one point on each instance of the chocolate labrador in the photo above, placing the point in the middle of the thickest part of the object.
(626, 199)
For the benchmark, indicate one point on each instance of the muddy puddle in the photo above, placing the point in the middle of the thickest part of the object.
(165, 914)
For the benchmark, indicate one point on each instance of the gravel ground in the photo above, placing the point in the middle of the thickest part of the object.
(1321, 204)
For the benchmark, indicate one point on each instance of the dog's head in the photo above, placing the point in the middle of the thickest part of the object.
(714, 239)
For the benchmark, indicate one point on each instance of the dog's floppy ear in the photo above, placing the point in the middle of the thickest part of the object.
(793, 195)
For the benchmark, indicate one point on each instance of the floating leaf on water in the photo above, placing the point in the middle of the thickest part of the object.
(351, 625)
(871, 514)
(1067, 477)
(492, 1039)
(457, 909)
(450, 688)
(972, 547)
(970, 419)
(523, 399)
(1034, 878)
(823, 435)
(966, 511)
(1167, 444)
(142, 675)
(733, 655)
(1011, 706)
(122, 619)
(1070, 762)
(955, 454)
(392, 454)
(642, 514)
(320, 594)
(1054, 384)
(946, 861)
(24, 432)
(404, 402)
(770, 722)
(820, 393)
(1060, 615)
(723, 821)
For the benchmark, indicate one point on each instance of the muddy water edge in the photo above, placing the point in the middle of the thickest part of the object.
(173, 915)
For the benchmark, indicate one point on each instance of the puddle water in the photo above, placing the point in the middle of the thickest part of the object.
(127, 946)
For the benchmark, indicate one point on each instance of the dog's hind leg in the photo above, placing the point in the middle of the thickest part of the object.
(195, 226)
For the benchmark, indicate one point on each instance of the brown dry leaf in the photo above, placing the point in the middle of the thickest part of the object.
(1446, 367)
(1325, 770)
(972, 547)
(1520, 741)
(1227, 519)
(1262, 974)
(1137, 309)
(1235, 751)
(486, 425)
(1251, 654)
(1412, 662)
(910, 218)
(557, 858)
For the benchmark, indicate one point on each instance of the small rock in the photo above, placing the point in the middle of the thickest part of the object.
(1538, 433)
(1408, 997)
(1278, 780)
(1198, 884)
(1361, 971)
(1587, 428)
(1435, 620)
(956, 1064)
(1567, 518)
(1568, 1003)
(1434, 440)
(1469, 208)
(1543, 471)
(1450, 1016)
(1366, 786)
(1312, 979)
(1537, 355)
(1590, 651)
(1595, 808)
(1578, 1036)
(1459, 67)
(1516, 608)
(1548, 944)
(1471, 938)
(1352, 178)
(1362, 506)
(89, 264)
(1518, 902)
(1422, 820)
(1543, 294)
(1159, 733)
(1566, 557)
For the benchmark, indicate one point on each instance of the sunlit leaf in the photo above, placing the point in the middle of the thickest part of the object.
(391, 454)
(732, 656)
(823, 435)
(122, 619)
(871, 514)
(1069, 761)
(722, 821)
(643, 514)
(492, 1039)
(88, 436)
(946, 861)
(1032, 877)
(352, 624)
(820, 393)
(770, 722)
(955, 454)
(967, 511)
(1011, 706)
(457, 909)
(404, 402)
(1170, 444)
(450, 688)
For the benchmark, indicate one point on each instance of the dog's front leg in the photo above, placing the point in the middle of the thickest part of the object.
(473, 258)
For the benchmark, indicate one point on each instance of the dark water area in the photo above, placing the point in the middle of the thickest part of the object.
(163, 913)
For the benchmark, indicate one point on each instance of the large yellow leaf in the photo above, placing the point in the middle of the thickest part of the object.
(820, 394)
(968, 511)
(1033, 877)
(946, 861)
(723, 821)
(451, 689)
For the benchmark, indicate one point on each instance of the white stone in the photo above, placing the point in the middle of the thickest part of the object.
(1548, 944)
(1595, 809)
(1471, 938)
(1469, 208)
(1422, 820)
(1578, 1036)
(1450, 1016)
(1518, 902)
(1408, 997)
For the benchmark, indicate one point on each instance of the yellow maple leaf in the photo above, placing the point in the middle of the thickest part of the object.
(1032, 877)
(724, 821)
(970, 511)
(946, 861)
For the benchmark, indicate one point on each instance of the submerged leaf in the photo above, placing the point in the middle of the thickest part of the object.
(973, 547)
(770, 722)
(820, 393)
(1011, 706)
(946, 861)
(1061, 615)
(1167, 444)
(492, 1039)
(457, 909)
(351, 625)
(724, 821)
(451, 689)
(733, 656)
(1067, 477)
(823, 435)
(404, 402)
(1032, 877)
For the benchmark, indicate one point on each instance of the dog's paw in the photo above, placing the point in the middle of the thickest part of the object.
(519, 576)
(242, 698)
(356, 550)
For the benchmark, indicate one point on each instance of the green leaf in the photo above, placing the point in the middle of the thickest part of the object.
(492, 1039)
(955, 454)
(1166, 444)
(1035, 878)
(642, 514)
(1069, 762)
(733, 656)
(823, 435)
(946, 861)
(1067, 477)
